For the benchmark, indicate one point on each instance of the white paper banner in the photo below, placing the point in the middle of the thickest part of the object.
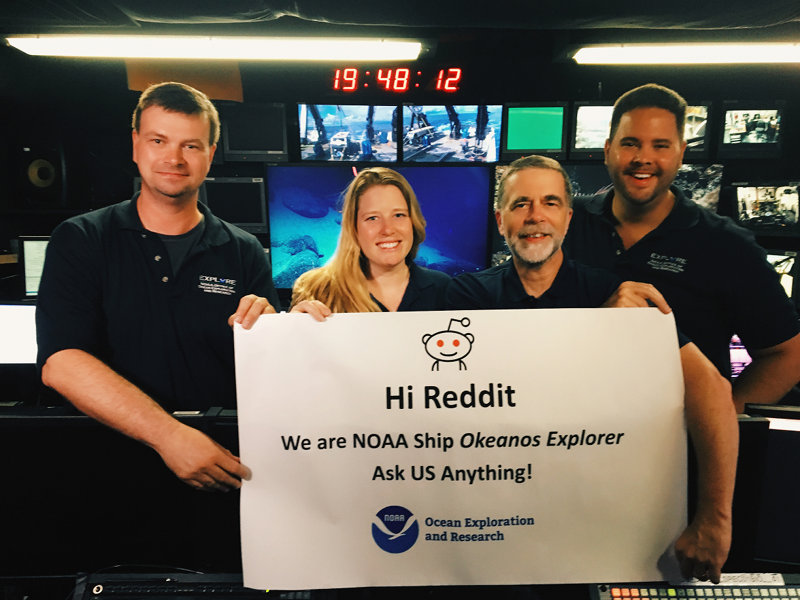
(469, 447)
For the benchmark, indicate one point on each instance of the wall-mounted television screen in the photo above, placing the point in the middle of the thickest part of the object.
(740, 358)
(240, 201)
(450, 133)
(768, 208)
(777, 521)
(347, 132)
(751, 130)
(700, 182)
(785, 264)
(31, 262)
(305, 216)
(590, 127)
(534, 129)
(254, 132)
(696, 131)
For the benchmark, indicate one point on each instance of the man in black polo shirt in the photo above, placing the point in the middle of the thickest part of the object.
(711, 272)
(533, 211)
(134, 298)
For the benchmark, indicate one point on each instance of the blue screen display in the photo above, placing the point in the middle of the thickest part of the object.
(305, 216)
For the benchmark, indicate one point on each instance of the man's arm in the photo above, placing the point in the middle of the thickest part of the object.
(101, 393)
(773, 372)
(710, 417)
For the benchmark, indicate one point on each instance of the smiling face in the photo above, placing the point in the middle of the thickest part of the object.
(383, 227)
(644, 155)
(535, 215)
(172, 152)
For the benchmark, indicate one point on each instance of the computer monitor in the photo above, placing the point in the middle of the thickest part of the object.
(348, 132)
(778, 518)
(700, 182)
(18, 342)
(696, 131)
(740, 358)
(30, 257)
(451, 133)
(305, 216)
(240, 201)
(771, 208)
(786, 265)
(254, 132)
(751, 129)
(534, 129)
(590, 126)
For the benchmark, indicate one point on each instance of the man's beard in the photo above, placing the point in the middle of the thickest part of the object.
(535, 256)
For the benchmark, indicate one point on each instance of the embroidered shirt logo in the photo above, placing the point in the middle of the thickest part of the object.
(673, 264)
(217, 285)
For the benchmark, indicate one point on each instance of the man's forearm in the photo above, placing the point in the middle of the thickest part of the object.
(710, 417)
(773, 372)
(97, 390)
(711, 421)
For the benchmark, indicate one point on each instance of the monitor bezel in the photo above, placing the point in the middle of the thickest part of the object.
(699, 155)
(401, 136)
(794, 272)
(749, 150)
(254, 154)
(21, 262)
(507, 154)
(585, 153)
(312, 160)
(789, 231)
(285, 293)
(253, 227)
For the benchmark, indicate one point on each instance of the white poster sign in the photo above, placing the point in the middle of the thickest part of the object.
(464, 447)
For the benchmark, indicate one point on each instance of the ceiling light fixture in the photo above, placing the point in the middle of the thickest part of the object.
(687, 54)
(217, 48)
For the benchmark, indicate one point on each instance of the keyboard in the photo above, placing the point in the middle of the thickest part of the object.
(173, 586)
(732, 587)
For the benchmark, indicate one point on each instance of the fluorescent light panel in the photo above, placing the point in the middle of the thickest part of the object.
(216, 48)
(684, 54)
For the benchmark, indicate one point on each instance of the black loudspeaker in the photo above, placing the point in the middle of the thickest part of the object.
(38, 174)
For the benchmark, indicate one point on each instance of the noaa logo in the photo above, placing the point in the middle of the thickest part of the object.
(395, 529)
(449, 345)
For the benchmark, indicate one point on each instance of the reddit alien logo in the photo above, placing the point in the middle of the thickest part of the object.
(449, 345)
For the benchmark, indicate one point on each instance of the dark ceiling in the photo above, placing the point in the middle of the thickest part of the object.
(25, 16)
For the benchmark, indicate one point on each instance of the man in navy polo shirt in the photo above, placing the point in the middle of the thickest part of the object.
(137, 299)
(533, 209)
(711, 272)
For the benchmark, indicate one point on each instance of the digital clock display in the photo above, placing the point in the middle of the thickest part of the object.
(396, 79)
